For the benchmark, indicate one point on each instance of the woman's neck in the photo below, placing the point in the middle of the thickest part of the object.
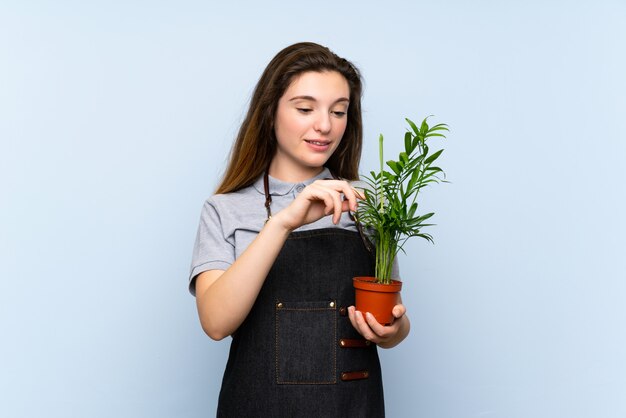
(293, 174)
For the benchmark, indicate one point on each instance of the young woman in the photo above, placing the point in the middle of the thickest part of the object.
(276, 250)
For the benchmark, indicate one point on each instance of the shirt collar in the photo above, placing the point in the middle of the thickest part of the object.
(281, 188)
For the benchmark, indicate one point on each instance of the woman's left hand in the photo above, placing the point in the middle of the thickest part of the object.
(385, 336)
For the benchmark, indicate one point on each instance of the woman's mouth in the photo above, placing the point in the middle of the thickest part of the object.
(318, 145)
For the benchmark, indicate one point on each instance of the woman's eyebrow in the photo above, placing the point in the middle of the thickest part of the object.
(313, 99)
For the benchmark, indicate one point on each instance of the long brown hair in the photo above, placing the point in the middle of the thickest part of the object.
(255, 145)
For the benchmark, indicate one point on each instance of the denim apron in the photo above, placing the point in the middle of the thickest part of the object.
(297, 354)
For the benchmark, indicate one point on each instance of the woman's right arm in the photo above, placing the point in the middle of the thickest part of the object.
(224, 298)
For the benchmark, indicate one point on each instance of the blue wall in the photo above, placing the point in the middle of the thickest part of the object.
(115, 122)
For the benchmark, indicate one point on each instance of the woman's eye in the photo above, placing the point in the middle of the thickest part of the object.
(339, 114)
(304, 110)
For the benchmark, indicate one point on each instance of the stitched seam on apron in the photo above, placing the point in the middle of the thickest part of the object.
(304, 309)
(335, 348)
(276, 340)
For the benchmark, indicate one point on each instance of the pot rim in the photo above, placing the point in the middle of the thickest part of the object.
(368, 283)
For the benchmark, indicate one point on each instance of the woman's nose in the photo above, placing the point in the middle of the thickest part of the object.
(323, 123)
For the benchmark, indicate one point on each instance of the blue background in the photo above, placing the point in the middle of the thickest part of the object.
(115, 121)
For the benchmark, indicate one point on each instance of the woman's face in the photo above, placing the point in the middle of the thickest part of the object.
(310, 121)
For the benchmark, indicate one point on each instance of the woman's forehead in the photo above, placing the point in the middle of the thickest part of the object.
(313, 85)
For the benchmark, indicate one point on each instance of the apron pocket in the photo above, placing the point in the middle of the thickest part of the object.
(306, 335)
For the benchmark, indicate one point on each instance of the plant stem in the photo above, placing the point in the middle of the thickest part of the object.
(386, 248)
(381, 196)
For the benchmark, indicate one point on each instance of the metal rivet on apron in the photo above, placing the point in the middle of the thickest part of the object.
(343, 311)
(279, 305)
(332, 304)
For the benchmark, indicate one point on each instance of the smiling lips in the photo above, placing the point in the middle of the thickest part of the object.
(318, 145)
(317, 142)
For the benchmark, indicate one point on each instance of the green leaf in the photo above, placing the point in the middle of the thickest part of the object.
(412, 210)
(433, 157)
(413, 126)
(394, 166)
(407, 142)
(429, 135)
(426, 236)
(390, 177)
(440, 127)
(424, 217)
(413, 180)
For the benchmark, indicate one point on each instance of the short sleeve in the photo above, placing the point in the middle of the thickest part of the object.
(212, 250)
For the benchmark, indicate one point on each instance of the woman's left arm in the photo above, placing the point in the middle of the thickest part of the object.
(385, 336)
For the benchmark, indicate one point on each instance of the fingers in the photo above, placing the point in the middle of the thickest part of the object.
(319, 199)
(330, 191)
(360, 324)
(359, 195)
(330, 198)
(341, 186)
(398, 311)
(337, 207)
(378, 329)
(369, 328)
(352, 196)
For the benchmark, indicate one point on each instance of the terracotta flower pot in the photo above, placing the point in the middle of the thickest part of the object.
(376, 298)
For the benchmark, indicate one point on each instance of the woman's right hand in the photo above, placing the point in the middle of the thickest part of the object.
(319, 199)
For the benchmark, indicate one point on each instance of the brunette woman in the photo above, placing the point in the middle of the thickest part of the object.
(277, 248)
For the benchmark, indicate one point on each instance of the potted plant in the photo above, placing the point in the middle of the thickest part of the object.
(389, 211)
